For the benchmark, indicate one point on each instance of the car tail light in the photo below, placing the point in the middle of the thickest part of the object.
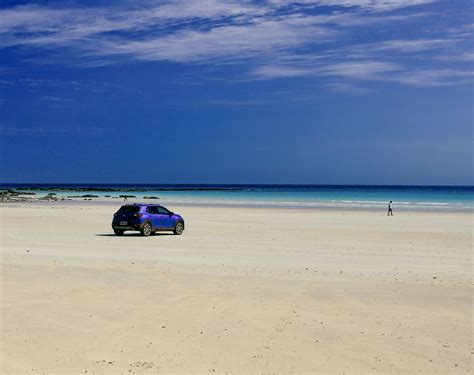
(138, 215)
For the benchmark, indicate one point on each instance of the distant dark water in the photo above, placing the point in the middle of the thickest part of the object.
(345, 196)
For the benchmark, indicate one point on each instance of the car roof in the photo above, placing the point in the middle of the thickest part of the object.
(143, 204)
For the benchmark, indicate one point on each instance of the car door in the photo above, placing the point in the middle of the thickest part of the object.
(165, 218)
(152, 211)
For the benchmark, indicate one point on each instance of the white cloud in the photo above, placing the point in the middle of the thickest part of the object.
(348, 88)
(56, 99)
(434, 77)
(224, 42)
(275, 39)
(407, 46)
(368, 4)
(275, 71)
(359, 69)
(463, 57)
(362, 70)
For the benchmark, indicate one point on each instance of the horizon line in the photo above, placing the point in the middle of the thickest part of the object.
(31, 184)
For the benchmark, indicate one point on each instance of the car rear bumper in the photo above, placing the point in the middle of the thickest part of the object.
(127, 227)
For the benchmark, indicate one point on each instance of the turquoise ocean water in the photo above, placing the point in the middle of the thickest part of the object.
(437, 198)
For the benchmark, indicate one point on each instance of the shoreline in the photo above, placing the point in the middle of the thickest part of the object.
(303, 207)
(325, 197)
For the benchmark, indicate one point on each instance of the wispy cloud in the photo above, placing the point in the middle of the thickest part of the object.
(41, 130)
(365, 70)
(6, 82)
(273, 98)
(279, 38)
(434, 77)
(234, 103)
(348, 88)
(56, 101)
(279, 71)
(407, 45)
(222, 43)
(368, 4)
(462, 57)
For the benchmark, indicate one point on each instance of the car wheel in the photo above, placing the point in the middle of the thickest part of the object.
(118, 232)
(146, 230)
(179, 228)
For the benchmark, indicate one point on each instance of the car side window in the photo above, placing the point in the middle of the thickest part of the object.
(163, 211)
(152, 210)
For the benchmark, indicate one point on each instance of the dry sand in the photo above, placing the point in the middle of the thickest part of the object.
(243, 290)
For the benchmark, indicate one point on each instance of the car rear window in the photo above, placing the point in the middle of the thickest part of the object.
(128, 210)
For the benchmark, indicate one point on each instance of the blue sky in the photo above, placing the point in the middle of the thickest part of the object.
(316, 92)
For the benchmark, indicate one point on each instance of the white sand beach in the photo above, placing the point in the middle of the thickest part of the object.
(243, 290)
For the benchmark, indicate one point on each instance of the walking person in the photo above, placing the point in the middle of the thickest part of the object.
(390, 212)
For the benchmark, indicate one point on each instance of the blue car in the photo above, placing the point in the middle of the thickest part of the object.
(147, 219)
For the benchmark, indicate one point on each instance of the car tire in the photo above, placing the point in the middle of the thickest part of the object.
(118, 232)
(146, 229)
(179, 228)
